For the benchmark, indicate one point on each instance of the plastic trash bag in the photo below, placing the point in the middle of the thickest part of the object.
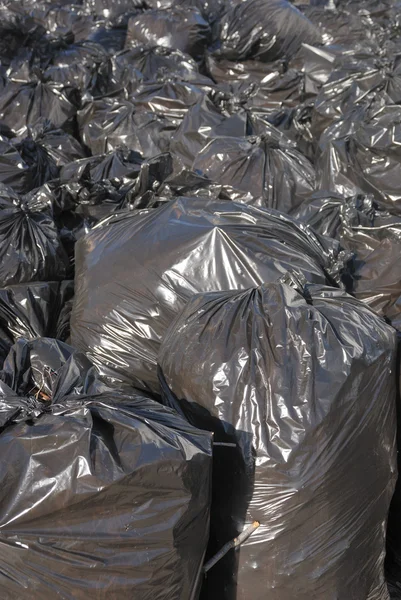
(64, 20)
(20, 35)
(61, 147)
(168, 97)
(362, 153)
(228, 110)
(299, 388)
(316, 64)
(80, 65)
(180, 28)
(274, 86)
(357, 80)
(30, 160)
(375, 238)
(111, 38)
(340, 26)
(110, 123)
(37, 100)
(119, 486)
(209, 118)
(130, 67)
(296, 124)
(160, 258)
(19, 175)
(265, 30)
(114, 165)
(211, 11)
(92, 189)
(269, 167)
(30, 247)
(112, 10)
(34, 310)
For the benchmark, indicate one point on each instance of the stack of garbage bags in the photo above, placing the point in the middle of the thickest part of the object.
(200, 299)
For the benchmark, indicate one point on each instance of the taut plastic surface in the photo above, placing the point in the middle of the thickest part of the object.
(135, 273)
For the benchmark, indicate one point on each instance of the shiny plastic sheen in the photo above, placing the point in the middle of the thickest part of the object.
(135, 273)
(103, 496)
(299, 388)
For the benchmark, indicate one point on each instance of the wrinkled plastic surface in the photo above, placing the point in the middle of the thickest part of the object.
(34, 310)
(151, 63)
(160, 258)
(356, 81)
(362, 153)
(103, 495)
(30, 246)
(38, 100)
(299, 388)
(374, 236)
(169, 98)
(34, 158)
(19, 35)
(269, 167)
(110, 123)
(180, 28)
(269, 85)
(91, 189)
(265, 30)
(79, 65)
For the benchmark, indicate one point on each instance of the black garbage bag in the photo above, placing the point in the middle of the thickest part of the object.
(296, 124)
(265, 30)
(341, 27)
(299, 388)
(26, 6)
(19, 175)
(169, 97)
(81, 65)
(111, 123)
(34, 310)
(234, 110)
(361, 152)
(30, 246)
(20, 35)
(393, 555)
(111, 38)
(64, 20)
(160, 258)
(316, 64)
(379, 12)
(113, 10)
(105, 495)
(130, 67)
(214, 115)
(269, 167)
(211, 11)
(94, 169)
(23, 104)
(190, 184)
(60, 146)
(356, 81)
(375, 238)
(30, 160)
(91, 190)
(180, 28)
(274, 86)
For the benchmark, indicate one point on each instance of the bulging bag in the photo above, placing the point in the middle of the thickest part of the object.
(299, 388)
(135, 273)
